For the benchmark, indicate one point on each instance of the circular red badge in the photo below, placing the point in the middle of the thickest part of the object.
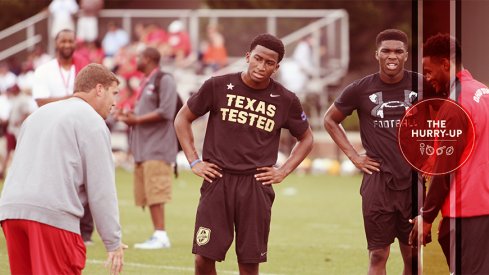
(436, 136)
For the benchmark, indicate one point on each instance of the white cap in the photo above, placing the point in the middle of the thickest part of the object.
(175, 26)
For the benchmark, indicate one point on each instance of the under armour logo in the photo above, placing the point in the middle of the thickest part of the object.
(391, 107)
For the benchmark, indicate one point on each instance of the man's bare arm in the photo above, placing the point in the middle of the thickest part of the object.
(183, 128)
(332, 124)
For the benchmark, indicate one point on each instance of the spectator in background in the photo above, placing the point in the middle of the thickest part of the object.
(309, 69)
(140, 33)
(124, 62)
(25, 80)
(62, 12)
(296, 71)
(38, 57)
(215, 55)
(154, 36)
(303, 55)
(114, 39)
(87, 26)
(92, 51)
(178, 42)
(7, 78)
(21, 106)
(153, 144)
(127, 98)
(55, 79)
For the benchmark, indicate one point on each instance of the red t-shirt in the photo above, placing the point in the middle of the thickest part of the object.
(179, 42)
(80, 62)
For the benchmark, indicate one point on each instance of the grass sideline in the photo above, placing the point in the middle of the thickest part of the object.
(317, 228)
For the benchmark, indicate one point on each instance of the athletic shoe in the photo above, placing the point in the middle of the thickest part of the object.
(154, 243)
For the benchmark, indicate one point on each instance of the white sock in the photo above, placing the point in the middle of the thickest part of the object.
(160, 234)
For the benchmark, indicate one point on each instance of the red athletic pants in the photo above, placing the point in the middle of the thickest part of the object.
(36, 248)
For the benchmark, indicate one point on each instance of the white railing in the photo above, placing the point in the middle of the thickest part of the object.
(26, 44)
(31, 38)
(24, 25)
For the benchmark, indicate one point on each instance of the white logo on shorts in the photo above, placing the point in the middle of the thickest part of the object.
(203, 236)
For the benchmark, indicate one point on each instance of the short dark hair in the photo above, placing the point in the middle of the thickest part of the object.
(441, 46)
(391, 34)
(62, 31)
(152, 54)
(270, 42)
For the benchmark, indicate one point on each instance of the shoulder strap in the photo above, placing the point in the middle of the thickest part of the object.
(158, 77)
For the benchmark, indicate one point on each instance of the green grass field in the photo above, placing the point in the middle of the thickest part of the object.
(317, 228)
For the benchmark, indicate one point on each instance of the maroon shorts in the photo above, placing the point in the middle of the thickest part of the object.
(234, 203)
(386, 212)
(36, 248)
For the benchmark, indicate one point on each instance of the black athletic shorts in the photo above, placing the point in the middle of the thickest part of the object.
(234, 203)
(386, 212)
(473, 253)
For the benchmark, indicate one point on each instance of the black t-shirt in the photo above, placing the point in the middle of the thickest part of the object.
(380, 107)
(244, 124)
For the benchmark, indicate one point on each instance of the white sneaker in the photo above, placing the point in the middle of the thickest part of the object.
(154, 243)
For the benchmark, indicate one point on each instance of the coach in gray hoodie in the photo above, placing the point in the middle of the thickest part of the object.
(63, 161)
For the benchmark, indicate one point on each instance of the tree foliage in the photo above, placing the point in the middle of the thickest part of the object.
(14, 11)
